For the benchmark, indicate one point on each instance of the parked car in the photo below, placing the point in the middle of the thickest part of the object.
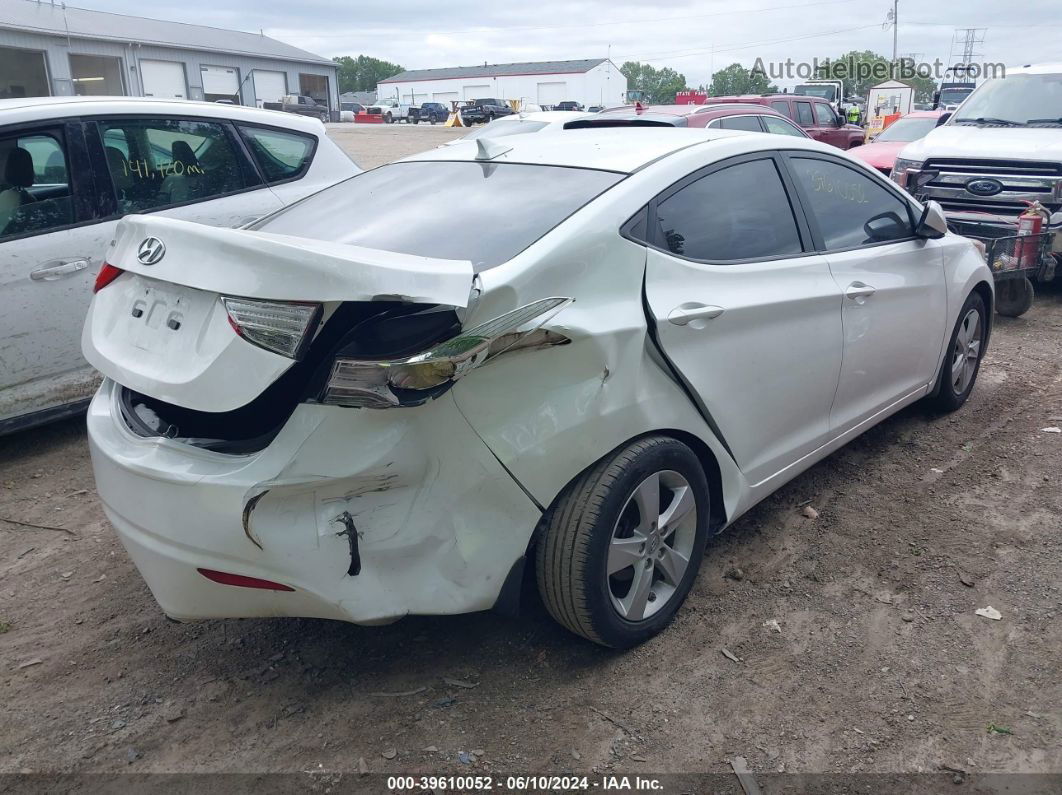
(348, 110)
(73, 166)
(433, 112)
(390, 110)
(727, 116)
(484, 111)
(300, 105)
(575, 355)
(595, 108)
(520, 123)
(567, 105)
(814, 114)
(881, 152)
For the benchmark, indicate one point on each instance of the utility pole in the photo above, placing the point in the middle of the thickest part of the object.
(895, 26)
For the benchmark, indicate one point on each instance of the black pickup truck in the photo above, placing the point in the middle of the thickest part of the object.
(433, 112)
(302, 105)
(484, 110)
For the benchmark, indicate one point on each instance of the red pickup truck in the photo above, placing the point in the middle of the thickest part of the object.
(814, 114)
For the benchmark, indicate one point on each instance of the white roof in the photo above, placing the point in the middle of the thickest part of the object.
(624, 149)
(41, 108)
(57, 19)
(545, 115)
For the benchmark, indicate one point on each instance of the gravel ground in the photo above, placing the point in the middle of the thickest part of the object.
(851, 640)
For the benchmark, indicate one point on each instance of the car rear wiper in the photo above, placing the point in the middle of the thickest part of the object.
(989, 120)
(1045, 121)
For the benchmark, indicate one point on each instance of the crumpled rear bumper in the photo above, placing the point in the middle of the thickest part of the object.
(439, 522)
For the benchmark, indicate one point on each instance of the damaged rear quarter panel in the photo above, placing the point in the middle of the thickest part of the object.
(548, 414)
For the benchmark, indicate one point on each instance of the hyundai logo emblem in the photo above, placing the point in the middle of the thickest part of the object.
(984, 187)
(151, 251)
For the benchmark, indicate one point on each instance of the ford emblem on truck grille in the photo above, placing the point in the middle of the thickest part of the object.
(151, 251)
(984, 187)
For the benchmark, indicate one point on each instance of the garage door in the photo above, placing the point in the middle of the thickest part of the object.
(445, 97)
(477, 92)
(220, 82)
(269, 86)
(552, 93)
(163, 79)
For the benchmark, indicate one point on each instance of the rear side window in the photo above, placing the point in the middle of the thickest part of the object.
(280, 155)
(739, 212)
(156, 163)
(804, 117)
(851, 208)
(782, 107)
(483, 212)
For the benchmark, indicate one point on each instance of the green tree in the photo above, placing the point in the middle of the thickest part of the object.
(656, 85)
(736, 79)
(363, 72)
(862, 70)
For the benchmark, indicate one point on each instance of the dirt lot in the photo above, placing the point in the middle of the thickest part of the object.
(855, 636)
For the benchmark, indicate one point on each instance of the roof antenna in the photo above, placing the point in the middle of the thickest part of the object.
(488, 149)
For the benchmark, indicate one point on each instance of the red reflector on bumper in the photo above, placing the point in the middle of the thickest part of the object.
(242, 581)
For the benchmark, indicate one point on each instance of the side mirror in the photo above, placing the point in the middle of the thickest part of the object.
(933, 224)
(944, 118)
(886, 226)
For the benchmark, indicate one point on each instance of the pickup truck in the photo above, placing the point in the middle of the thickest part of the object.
(814, 114)
(302, 105)
(432, 112)
(987, 161)
(390, 110)
(484, 110)
(568, 105)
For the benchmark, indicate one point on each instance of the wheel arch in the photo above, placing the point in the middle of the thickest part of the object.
(984, 289)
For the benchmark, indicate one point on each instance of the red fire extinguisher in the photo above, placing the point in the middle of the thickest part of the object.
(1030, 226)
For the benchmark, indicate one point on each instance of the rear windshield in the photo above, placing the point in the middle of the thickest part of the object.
(483, 212)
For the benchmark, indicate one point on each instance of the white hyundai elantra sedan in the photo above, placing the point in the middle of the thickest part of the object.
(572, 356)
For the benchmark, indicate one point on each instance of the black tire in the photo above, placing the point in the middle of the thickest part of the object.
(948, 397)
(572, 555)
(388, 119)
(416, 120)
(1014, 297)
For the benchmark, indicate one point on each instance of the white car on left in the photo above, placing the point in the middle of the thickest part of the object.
(71, 167)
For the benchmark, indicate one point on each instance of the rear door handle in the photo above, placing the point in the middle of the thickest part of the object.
(858, 291)
(682, 315)
(58, 269)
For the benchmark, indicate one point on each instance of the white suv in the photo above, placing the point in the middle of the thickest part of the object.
(71, 167)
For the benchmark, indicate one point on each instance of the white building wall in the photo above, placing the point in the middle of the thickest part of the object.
(602, 85)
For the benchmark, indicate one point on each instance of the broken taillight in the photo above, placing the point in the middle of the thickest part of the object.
(282, 327)
(369, 383)
(108, 273)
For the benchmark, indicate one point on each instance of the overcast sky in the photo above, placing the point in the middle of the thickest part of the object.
(693, 36)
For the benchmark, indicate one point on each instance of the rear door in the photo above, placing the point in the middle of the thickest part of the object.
(827, 126)
(805, 117)
(192, 169)
(747, 316)
(894, 307)
(51, 245)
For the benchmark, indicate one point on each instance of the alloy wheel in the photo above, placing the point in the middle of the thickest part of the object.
(966, 352)
(651, 545)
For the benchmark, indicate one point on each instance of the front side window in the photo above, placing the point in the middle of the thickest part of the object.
(155, 163)
(483, 212)
(280, 155)
(739, 212)
(782, 127)
(35, 191)
(824, 115)
(851, 208)
(804, 117)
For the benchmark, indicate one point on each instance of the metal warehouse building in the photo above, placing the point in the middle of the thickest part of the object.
(594, 81)
(47, 49)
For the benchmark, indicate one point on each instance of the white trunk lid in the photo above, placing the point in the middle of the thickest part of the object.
(161, 329)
